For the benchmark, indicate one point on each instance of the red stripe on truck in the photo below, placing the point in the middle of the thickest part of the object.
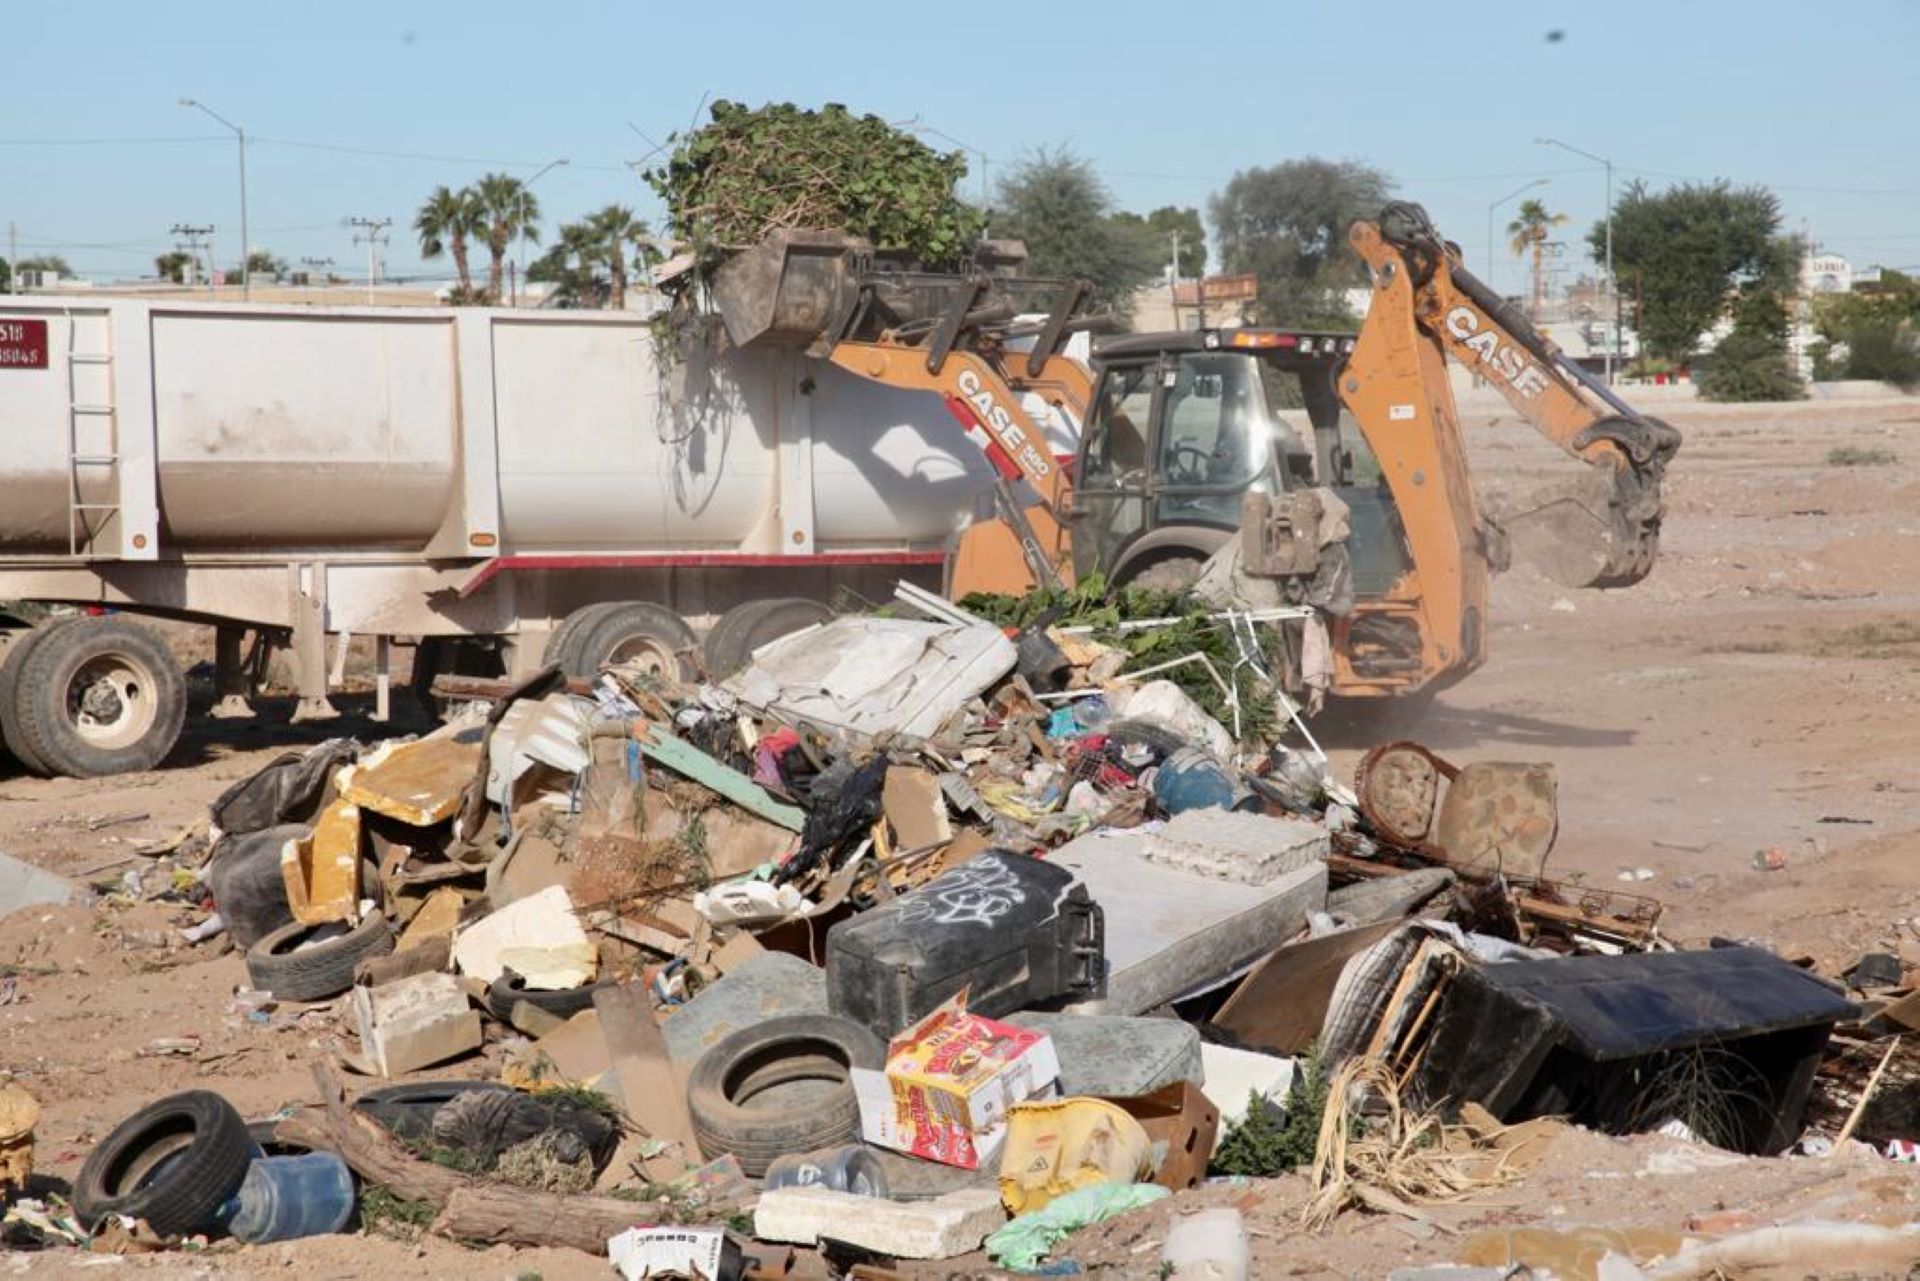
(695, 560)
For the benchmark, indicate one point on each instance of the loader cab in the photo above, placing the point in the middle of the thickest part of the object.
(1183, 425)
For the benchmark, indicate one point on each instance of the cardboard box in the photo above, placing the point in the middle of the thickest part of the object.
(948, 1083)
(682, 1253)
(1183, 1126)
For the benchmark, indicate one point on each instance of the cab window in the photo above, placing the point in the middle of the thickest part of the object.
(1115, 450)
(1214, 431)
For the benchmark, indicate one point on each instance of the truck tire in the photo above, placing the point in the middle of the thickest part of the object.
(11, 690)
(323, 970)
(562, 642)
(99, 696)
(510, 989)
(201, 1141)
(634, 635)
(744, 628)
(407, 1111)
(800, 1047)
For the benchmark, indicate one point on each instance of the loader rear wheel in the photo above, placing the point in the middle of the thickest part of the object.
(636, 637)
(99, 696)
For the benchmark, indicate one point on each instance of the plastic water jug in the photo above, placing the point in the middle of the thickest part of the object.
(848, 1169)
(284, 1197)
(1191, 779)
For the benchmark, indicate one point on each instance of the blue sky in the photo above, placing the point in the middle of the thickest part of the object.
(1167, 101)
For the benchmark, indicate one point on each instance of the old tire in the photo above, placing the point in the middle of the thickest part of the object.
(204, 1145)
(510, 990)
(745, 628)
(802, 1047)
(563, 641)
(11, 690)
(635, 636)
(99, 696)
(407, 1111)
(320, 971)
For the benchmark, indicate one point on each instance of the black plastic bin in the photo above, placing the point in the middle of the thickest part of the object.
(1014, 931)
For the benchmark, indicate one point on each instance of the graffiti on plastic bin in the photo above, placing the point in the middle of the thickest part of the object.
(978, 893)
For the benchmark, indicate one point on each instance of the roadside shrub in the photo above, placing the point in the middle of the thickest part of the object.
(1886, 351)
(1748, 365)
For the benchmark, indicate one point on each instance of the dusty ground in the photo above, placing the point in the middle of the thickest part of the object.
(1757, 692)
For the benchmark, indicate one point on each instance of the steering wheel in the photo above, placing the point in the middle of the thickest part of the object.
(1196, 474)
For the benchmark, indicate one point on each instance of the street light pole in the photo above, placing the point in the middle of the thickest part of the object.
(1517, 191)
(246, 245)
(1613, 286)
(520, 280)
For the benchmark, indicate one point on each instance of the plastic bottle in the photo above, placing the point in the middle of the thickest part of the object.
(848, 1169)
(1208, 1246)
(284, 1197)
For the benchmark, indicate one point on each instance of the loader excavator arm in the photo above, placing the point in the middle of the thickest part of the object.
(1603, 531)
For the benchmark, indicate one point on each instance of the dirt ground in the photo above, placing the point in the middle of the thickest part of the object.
(1756, 693)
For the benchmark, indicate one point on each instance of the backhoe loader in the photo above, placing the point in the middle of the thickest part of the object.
(1191, 440)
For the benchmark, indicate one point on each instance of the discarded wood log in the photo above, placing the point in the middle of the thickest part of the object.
(467, 1209)
(1866, 1096)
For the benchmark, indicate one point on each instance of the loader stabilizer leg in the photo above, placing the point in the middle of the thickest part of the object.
(232, 680)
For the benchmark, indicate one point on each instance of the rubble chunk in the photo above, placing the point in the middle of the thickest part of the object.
(1250, 848)
(415, 1023)
(942, 1228)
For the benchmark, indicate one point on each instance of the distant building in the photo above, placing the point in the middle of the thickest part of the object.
(1826, 274)
(1220, 300)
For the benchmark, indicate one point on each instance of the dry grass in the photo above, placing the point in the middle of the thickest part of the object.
(1855, 456)
(1887, 638)
(1400, 1159)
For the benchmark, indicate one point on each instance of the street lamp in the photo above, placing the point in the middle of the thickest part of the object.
(520, 283)
(1613, 291)
(1517, 191)
(246, 245)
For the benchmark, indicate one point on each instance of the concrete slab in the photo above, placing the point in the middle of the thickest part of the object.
(1250, 848)
(942, 1228)
(1108, 1054)
(1173, 933)
(22, 885)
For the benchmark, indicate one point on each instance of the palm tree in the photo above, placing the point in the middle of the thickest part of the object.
(569, 263)
(1529, 230)
(617, 229)
(508, 211)
(445, 223)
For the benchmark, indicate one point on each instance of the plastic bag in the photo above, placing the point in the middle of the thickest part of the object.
(1023, 1243)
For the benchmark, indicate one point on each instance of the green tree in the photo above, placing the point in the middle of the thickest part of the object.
(262, 263)
(445, 223)
(1287, 224)
(618, 231)
(6, 276)
(1528, 232)
(1870, 333)
(1162, 224)
(172, 266)
(571, 265)
(508, 212)
(45, 262)
(1056, 203)
(1688, 251)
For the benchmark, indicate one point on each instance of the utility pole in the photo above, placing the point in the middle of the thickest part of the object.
(196, 239)
(246, 246)
(513, 291)
(372, 232)
(13, 257)
(1173, 277)
(1613, 286)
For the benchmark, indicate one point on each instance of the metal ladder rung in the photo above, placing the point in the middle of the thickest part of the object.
(95, 460)
(103, 410)
(89, 358)
(95, 507)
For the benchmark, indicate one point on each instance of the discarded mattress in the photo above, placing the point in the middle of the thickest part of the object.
(870, 677)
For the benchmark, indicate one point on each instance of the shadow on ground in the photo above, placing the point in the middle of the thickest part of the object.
(1360, 724)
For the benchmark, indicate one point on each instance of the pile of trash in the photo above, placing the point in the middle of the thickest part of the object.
(912, 939)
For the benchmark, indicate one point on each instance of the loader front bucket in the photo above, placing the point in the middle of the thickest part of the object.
(788, 289)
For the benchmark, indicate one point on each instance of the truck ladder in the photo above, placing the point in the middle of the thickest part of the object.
(86, 519)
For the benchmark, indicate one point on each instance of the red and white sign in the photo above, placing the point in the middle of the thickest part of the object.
(23, 344)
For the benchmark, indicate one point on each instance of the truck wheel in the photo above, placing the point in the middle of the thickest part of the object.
(11, 690)
(634, 636)
(563, 642)
(99, 696)
(744, 628)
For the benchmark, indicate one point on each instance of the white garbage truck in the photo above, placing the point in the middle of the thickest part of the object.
(499, 487)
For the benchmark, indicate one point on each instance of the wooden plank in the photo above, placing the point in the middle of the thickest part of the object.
(685, 758)
(649, 1088)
